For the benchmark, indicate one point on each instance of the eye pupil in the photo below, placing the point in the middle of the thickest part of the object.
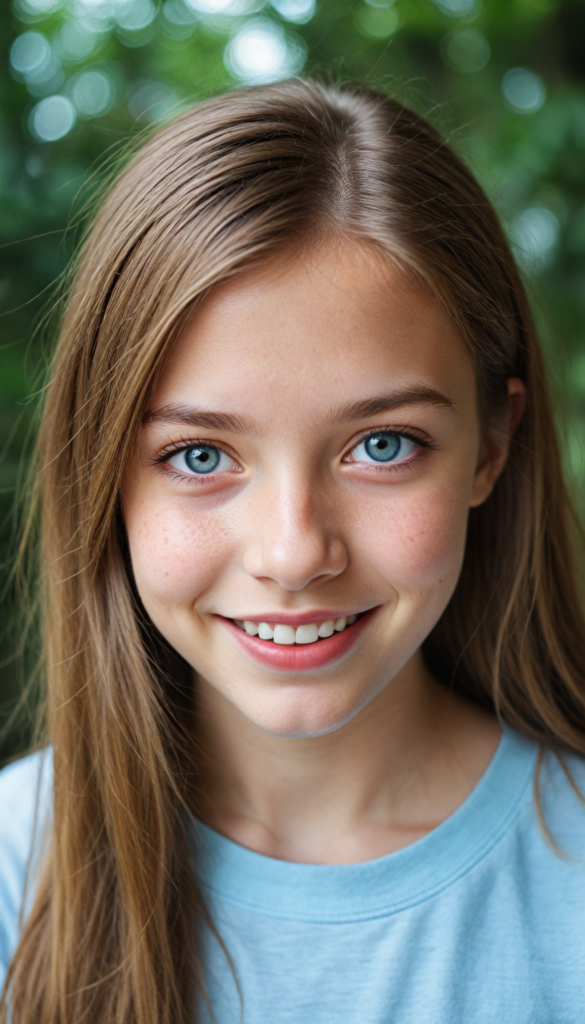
(383, 447)
(202, 460)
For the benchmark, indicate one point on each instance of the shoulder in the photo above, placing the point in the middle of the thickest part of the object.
(25, 793)
(544, 851)
(25, 806)
(560, 791)
(17, 778)
(543, 789)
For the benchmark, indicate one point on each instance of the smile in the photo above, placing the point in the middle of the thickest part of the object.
(308, 633)
(300, 646)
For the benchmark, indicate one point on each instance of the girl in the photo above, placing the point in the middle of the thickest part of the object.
(313, 639)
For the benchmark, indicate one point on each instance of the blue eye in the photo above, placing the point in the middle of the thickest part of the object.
(200, 460)
(384, 447)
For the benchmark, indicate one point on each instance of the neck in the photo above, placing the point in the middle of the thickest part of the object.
(384, 779)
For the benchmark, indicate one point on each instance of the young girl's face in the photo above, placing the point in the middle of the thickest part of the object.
(309, 455)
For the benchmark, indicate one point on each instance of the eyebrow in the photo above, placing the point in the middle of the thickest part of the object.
(176, 413)
(232, 423)
(393, 400)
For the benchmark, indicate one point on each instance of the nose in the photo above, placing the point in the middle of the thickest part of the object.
(294, 540)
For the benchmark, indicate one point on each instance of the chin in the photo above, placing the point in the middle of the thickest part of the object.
(303, 717)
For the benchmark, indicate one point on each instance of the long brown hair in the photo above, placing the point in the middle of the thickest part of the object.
(230, 182)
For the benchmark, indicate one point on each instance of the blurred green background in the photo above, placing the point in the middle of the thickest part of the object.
(504, 79)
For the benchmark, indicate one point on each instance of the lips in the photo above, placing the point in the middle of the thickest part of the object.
(293, 656)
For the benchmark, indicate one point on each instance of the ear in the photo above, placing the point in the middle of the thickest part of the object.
(496, 446)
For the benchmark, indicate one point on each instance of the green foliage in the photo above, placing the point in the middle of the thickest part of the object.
(502, 78)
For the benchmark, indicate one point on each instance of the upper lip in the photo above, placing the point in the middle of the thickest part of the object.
(299, 618)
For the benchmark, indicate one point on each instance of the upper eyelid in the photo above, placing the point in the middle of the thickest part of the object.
(411, 433)
(174, 447)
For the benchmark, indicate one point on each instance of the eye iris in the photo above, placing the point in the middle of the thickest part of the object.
(202, 460)
(383, 447)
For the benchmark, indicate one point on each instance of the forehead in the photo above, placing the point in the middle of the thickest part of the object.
(312, 330)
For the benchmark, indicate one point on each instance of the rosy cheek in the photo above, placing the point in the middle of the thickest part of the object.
(416, 543)
(176, 556)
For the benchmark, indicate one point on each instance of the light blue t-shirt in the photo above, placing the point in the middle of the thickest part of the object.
(479, 922)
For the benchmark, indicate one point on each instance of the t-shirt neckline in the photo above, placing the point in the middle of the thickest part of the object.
(388, 884)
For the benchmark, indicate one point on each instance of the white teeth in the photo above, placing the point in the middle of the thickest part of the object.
(284, 635)
(306, 634)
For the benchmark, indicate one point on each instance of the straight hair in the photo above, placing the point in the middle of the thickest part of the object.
(112, 934)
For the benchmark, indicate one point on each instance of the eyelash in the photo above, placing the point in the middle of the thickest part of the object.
(183, 445)
(423, 442)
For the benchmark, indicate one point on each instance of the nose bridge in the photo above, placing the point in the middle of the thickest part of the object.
(295, 533)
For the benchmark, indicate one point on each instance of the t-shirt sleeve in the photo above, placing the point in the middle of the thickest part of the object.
(25, 801)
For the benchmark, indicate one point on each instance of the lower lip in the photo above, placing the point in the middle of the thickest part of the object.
(300, 657)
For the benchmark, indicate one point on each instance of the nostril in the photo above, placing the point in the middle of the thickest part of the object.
(295, 564)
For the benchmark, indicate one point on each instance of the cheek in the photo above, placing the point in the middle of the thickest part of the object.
(416, 543)
(175, 555)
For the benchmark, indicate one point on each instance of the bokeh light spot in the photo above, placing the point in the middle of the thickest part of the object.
(134, 15)
(75, 42)
(33, 10)
(377, 22)
(535, 233)
(466, 51)
(95, 15)
(298, 11)
(29, 52)
(92, 93)
(52, 118)
(458, 8)
(261, 52)
(151, 100)
(34, 166)
(212, 6)
(178, 20)
(33, 61)
(524, 90)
